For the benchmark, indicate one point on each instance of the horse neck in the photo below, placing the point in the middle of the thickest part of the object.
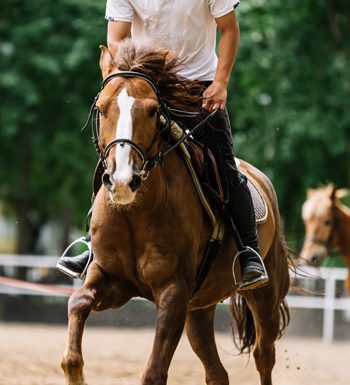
(155, 196)
(342, 232)
(154, 193)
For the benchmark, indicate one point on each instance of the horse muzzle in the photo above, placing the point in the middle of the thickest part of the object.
(122, 193)
(313, 254)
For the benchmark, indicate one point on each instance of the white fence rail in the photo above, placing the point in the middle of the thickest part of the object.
(34, 263)
(329, 302)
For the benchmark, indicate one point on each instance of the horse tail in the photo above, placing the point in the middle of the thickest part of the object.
(243, 323)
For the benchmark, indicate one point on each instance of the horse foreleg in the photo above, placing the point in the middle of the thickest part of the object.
(200, 333)
(97, 293)
(171, 304)
(79, 307)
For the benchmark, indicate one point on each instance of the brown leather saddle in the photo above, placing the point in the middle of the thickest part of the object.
(207, 171)
(206, 168)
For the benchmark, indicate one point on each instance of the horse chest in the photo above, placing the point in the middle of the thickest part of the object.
(153, 264)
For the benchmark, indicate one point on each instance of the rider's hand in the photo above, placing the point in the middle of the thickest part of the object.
(215, 96)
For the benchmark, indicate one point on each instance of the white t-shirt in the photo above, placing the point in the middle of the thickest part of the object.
(184, 26)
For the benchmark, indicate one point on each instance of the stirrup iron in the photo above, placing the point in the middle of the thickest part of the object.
(88, 245)
(259, 281)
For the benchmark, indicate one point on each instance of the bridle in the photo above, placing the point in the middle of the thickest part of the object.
(169, 115)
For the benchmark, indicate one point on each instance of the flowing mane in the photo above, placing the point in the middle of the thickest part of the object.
(161, 65)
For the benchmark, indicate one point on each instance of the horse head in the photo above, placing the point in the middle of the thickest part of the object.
(128, 129)
(319, 216)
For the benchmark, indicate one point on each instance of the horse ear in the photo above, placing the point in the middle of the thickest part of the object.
(331, 190)
(342, 193)
(107, 63)
(309, 192)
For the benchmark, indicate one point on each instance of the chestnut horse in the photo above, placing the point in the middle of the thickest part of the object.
(149, 232)
(327, 223)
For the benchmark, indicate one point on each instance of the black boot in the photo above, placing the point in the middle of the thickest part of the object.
(241, 210)
(76, 267)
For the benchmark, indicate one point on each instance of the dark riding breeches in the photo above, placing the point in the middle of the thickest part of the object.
(217, 136)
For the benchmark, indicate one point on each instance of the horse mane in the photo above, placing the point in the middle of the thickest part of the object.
(161, 66)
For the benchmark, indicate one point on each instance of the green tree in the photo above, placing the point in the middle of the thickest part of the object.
(49, 74)
(290, 96)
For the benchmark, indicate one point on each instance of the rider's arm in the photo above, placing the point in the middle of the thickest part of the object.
(116, 32)
(216, 94)
(228, 46)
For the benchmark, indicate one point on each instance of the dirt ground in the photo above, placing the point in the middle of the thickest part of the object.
(30, 355)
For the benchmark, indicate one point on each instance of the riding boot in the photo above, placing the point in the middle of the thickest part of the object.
(241, 210)
(76, 267)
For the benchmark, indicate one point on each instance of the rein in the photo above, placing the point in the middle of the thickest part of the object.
(168, 113)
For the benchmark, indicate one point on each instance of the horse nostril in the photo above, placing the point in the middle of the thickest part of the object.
(106, 180)
(135, 183)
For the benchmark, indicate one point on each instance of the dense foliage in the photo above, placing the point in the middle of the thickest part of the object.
(49, 75)
(288, 104)
(290, 96)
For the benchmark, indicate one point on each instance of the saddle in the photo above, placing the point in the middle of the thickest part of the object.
(206, 169)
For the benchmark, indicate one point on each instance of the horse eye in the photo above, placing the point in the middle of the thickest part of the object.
(327, 222)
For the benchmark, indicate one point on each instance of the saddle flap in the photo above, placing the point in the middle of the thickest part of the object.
(205, 166)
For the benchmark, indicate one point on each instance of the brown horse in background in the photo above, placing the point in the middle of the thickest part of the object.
(149, 234)
(327, 223)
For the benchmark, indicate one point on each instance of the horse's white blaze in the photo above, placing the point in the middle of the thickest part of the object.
(317, 206)
(123, 171)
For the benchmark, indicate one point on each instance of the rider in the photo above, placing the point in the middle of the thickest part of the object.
(189, 28)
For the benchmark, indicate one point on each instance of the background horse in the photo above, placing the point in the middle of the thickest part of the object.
(149, 234)
(327, 223)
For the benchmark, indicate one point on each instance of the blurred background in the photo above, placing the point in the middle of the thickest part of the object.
(289, 108)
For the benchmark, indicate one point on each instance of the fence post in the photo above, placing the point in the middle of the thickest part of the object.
(328, 312)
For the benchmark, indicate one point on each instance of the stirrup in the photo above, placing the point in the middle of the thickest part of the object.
(260, 281)
(88, 245)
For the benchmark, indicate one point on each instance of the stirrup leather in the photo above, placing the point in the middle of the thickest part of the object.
(259, 281)
(88, 245)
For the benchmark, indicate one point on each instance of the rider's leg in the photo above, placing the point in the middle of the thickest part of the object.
(241, 210)
(75, 267)
(217, 136)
